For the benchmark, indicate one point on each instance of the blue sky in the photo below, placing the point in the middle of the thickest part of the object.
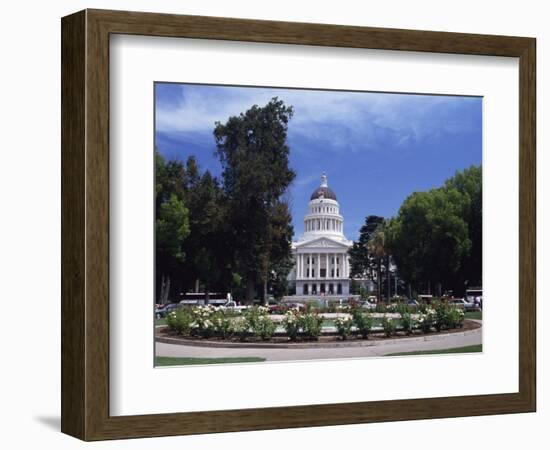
(376, 148)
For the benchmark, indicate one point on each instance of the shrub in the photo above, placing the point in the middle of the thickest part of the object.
(388, 325)
(311, 325)
(343, 326)
(440, 319)
(311, 306)
(252, 315)
(202, 324)
(380, 308)
(223, 324)
(265, 328)
(363, 322)
(179, 321)
(407, 322)
(291, 323)
(171, 320)
(240, 329)
(333, 306)
(426, 320)
(454, 318)
(401, 308)
(258, 322)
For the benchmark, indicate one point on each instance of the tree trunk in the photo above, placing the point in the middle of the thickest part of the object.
(161, 290)
(264, 299)
(164, 289)
(379, 280)
(389, 278)
(249, 291)
(206, 294)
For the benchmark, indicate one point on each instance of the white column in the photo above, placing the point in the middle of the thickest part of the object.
(318, 269)
(298, 269)
(345, 266)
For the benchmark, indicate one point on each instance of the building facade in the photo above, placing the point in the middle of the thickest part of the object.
(321, 253)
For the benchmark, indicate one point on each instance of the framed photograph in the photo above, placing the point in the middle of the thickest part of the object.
(273, 225)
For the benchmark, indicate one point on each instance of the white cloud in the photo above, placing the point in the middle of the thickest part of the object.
(333, 116)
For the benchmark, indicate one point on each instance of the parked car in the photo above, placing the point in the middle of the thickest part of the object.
(368, 305)
(277, 309)
(464, 304)
(297, 306)
(232, 306)
(159, 311)
(162, 310)
(412, 303)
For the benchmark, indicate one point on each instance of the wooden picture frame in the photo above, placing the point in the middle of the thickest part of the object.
(85, 224)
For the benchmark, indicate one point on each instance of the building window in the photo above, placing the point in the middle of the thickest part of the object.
(332, 273)
(337, 272)
(306, 289)
(312, 273)
(339, 288)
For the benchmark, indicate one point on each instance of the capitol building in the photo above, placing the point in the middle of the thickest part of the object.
(321, 254)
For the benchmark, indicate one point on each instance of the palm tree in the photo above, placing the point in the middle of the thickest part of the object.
(378, 249)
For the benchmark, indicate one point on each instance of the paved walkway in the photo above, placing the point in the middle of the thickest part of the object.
(431, 342)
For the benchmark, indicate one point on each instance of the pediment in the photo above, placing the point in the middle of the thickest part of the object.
(322, 242)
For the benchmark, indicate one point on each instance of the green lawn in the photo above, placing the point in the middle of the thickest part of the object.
(160, 321)
(168, 361)
(477, 315)
(467, 349)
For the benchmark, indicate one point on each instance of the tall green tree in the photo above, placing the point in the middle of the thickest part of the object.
(469, 184)
(206, 260)
(362, 263)
(171, 224)
(431, 239)
(254, 154)
(279, 257)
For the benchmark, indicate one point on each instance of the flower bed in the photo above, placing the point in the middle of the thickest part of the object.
(255, 324)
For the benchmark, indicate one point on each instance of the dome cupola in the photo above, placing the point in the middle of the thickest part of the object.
(323, 191)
